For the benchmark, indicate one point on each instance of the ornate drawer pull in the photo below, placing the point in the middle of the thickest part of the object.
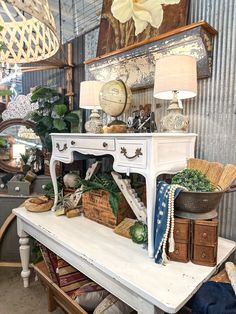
(104, 144)
(138, 153)
(61, 149)
(72, 142)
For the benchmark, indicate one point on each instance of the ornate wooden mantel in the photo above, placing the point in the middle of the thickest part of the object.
(135, 64)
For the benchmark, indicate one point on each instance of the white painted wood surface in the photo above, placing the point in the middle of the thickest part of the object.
(117, 264)
(160, 153)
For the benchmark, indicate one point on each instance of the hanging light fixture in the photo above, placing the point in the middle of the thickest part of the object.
(28, 31)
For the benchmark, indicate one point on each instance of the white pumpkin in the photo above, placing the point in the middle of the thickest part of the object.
(70, 179)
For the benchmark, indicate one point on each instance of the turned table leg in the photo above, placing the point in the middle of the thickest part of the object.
(24, 253)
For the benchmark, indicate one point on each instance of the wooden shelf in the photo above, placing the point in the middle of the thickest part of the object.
(135, 64)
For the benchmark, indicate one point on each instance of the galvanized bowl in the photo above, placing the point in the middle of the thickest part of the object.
(198, 205)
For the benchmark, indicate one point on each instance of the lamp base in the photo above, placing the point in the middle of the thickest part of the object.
(175, 121)
(94, 125)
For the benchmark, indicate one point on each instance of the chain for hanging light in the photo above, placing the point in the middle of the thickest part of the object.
(28, 31)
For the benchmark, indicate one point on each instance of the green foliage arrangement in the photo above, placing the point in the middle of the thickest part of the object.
(49, 191)
(3, 142)
(103, 182)
(139, 232)
(52, 116)
(193, 180)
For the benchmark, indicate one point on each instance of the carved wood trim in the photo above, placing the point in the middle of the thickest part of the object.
(179, 30)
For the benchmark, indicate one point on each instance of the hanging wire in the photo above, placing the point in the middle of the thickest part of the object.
(60, 21)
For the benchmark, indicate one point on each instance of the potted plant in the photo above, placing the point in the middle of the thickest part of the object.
(52, 115)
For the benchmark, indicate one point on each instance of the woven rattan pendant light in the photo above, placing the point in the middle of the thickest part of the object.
(28, 33)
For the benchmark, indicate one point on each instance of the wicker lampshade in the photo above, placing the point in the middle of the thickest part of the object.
(28, 33)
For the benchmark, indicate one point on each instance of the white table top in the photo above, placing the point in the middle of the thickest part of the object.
(137, 135)
(168, 287)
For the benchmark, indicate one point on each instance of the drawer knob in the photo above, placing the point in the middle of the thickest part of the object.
(61, 149)
(72, 142)
(204, 235)
(43, 186)
(2, 186)
(177, 231)
(104, 144)
(17, 189)
(177, 252)
(138, 153)
(204, 255)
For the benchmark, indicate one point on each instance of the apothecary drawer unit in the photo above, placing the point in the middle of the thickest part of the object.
(130, 152)
(205, 241)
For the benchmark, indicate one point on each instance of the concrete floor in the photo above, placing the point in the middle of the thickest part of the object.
(14, 299)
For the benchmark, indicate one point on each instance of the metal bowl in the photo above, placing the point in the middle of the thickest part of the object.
(198, 205)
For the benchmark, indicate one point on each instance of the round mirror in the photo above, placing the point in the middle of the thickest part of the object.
(18, 142)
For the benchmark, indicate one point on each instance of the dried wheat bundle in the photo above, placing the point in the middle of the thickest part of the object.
(28, 31)
(214, 172)
(227, 177)
(198, 164)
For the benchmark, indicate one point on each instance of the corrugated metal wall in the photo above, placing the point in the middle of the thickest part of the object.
(213, 112)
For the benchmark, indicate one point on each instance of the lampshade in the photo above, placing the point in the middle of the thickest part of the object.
(18, 149)
(175, 73)
(28, 31)
(89, 94)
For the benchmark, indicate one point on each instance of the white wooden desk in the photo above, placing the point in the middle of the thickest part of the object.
(114, 262)
(149, 154)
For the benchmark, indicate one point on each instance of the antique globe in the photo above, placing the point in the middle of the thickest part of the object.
(115, 98)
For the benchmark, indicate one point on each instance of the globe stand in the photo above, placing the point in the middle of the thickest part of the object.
(116, 126)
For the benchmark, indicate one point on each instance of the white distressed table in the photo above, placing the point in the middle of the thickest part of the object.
(114, 262)
(149, 154)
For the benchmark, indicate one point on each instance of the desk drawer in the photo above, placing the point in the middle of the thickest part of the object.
(94, 143)
(60, 147)
(132, 153)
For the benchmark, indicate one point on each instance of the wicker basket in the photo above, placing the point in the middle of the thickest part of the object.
(96, 207)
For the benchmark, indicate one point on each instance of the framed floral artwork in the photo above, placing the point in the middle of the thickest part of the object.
(126, 22)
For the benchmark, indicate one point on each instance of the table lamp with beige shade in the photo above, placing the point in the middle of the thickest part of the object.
(175, 79)
(89, 99)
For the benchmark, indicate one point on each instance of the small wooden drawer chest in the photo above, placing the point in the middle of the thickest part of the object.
(204, 243)
(195, 240)
(182, 240)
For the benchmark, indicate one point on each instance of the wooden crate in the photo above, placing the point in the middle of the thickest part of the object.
(96, 207)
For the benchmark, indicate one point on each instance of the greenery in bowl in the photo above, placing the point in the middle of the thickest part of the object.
(193, 180)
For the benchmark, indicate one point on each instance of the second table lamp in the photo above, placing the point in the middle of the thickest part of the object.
(175, 79)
